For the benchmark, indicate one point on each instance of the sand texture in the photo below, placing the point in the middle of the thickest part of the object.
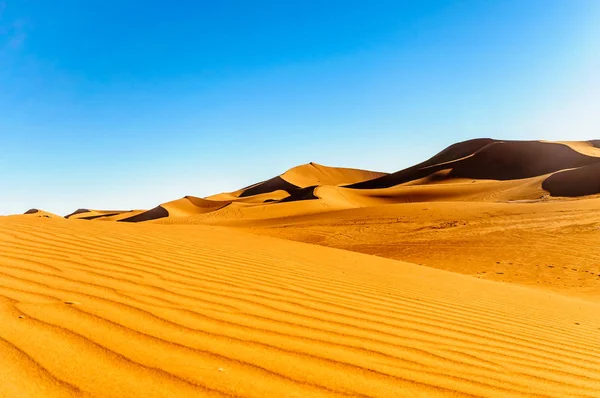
(473, 273)
(118, 309)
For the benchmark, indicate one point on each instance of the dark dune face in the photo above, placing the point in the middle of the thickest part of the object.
(512, 160)
(595, 143)
(274, 184)
(78, 211)
(32, 211)
(493, 160)
(577, 182)
(458, 151)
(99, 216)
(430, 166)
(307, 193)
(400, 177)
(153, 214)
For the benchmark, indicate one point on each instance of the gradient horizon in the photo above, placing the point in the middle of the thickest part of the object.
(115, 105)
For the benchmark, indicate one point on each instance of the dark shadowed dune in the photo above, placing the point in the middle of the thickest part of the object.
(274, 184)
(576, 182)
(421, 170)
(78, 211)
(32, 211)
(152, 214)
(307, 193)
(100, 216)
(400, 177)
(493, 160)
(512, 160)
(595, 143)
(458, 151)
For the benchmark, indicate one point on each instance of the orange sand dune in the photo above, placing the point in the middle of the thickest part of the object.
(303, 176)
(87, 214)
(323, 199)
(143, 310)
(491, 160)
(184, 207)
(191, 205)
(313, 174)
(476, 170)
(40, 213)
(120, 216)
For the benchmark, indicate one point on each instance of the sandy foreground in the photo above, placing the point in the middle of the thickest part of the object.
(125, 310)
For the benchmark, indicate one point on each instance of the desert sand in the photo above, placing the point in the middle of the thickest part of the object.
(474, 273)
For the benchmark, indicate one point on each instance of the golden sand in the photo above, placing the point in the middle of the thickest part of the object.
(117, 309)
(474, 273)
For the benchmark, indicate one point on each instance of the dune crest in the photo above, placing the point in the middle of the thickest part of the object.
(40, 213)
(313, 174)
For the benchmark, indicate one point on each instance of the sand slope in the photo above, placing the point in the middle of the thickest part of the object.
(103, 215)
(312, 174)
(548, 245)
(40, 213)
(141, 310)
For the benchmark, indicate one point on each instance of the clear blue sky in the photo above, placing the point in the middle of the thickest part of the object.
(127, 104)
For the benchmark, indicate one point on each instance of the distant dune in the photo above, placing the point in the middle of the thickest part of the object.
(87, 214)
(485, 159)
(472, 171)
(314, 174)
(307, 175)
(41, 213)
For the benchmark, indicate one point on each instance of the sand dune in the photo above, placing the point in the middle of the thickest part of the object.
(475, 170)
(590, 148)
(40, 213)
(152, 214)
(117, 309)
(294, 180)
(575, 182)
(78, 212)
(481, 170)
(313, 174)
(87, 214)
(491, 160)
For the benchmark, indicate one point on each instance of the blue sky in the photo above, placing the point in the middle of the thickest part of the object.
(127, 104)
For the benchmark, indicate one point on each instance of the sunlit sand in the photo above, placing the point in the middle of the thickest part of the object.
(474, 273)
